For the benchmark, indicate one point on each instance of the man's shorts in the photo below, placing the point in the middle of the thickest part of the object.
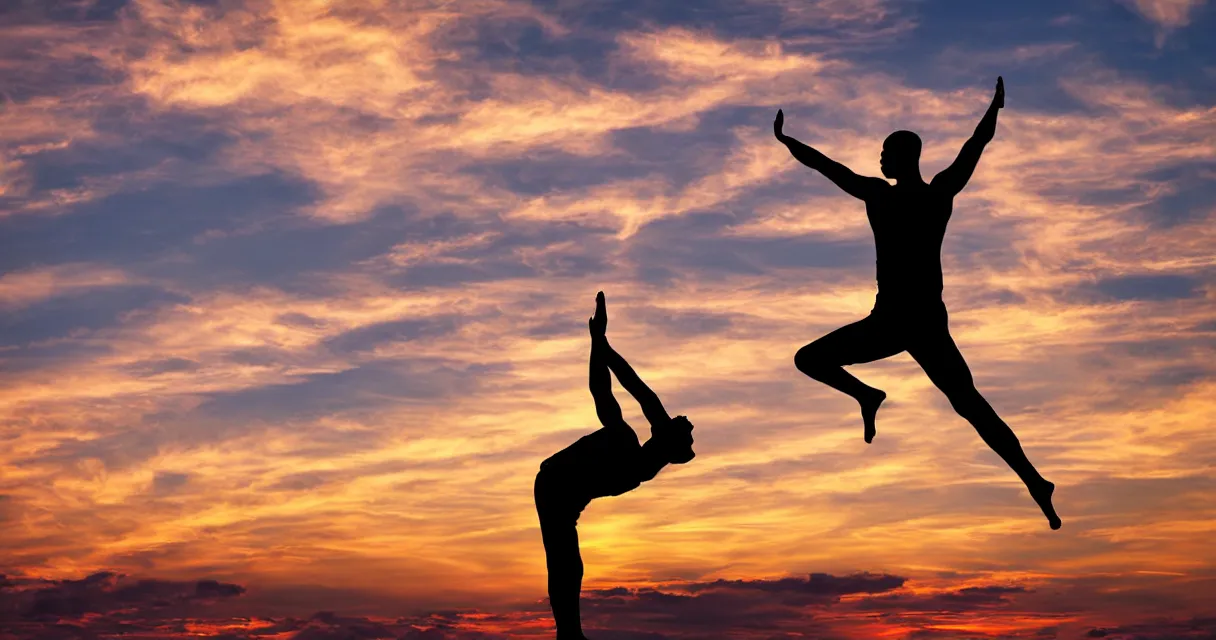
(556, 501)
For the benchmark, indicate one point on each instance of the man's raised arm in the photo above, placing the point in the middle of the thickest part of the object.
(652, 408)
(953, 178)
(599, 377)
(860, 187)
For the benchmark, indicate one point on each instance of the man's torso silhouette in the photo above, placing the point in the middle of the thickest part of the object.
(909, 224)
(600, 464)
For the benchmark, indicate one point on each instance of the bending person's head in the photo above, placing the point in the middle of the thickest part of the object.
(901, 155)
(675, 438)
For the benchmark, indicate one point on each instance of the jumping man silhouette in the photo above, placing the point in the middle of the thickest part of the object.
(909, 222)
(608, 462)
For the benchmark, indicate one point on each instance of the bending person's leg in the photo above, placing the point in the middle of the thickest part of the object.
(559, 533)
(943, 363)
(824, 360)
(565, 577)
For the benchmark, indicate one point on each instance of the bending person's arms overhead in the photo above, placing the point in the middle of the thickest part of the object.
(652, 408)
(860, 187)
(599, 377)
(952, 179)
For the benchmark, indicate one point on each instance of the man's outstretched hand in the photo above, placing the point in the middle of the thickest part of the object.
(598, 324)
(777, 124)
(999, 98)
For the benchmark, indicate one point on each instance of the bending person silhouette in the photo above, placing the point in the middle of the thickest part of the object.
(909, 222)
(608, 462)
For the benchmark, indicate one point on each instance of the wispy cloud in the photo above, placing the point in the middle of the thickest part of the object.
(1167, 15)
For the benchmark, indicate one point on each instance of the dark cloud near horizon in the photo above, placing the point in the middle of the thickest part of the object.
(965, 599)
(776, 606)
(110, 593)
(1198, 628)
(736, 609)
(817, 584)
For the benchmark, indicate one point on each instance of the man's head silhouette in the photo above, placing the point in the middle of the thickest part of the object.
(901, 155)
(675, 438)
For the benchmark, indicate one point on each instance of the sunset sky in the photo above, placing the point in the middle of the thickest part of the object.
(293, 301)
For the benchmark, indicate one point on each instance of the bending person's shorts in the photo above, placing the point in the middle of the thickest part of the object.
(556, 501)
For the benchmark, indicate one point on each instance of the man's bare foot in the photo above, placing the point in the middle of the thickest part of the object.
(1043, 498)
(869, 409)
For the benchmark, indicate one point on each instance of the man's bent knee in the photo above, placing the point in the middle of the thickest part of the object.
(809, 359)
